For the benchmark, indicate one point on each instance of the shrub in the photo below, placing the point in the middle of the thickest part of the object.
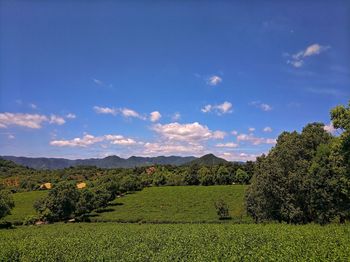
(6, 203)
(222, 209)
(30, 220)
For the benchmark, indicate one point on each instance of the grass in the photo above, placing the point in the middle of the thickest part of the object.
(178, 204)
(176, 242)
(23, 206)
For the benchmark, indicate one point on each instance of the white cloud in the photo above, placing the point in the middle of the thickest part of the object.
(155, 116)
(129, 112)
(71, 116)
(98, 82)
(251, 129)
(330, 128)
(105, 110)
(296, 64)
(312, 50)
(88, 140)
(126, 112)
(169, 148)
(34, 121)
(33, 106)
(206, 108)
(57, 120)
(219, 134)
(255, 140)
(315, 49)
(236, 156)
(263, 106)
(214, 80)
(224, 108)
(234, 132)
(176, 116)
(267, 129)
(230, 145)
(120, 140)
(193, 132)
(10, 136)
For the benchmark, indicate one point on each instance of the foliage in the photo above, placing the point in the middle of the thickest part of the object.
(305, 177)
(177, 242)
(279, 189)
(242, 176)
(177, 204)
(24, 202)
(6, 203)
(30, 220)
(222, 209)
(60, 204)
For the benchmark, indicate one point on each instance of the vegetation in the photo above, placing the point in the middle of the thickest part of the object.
(6, 203)
(305, 177)
(181, 242)
(18, 179)
(222, 209)
(189, 204)
(24, 202)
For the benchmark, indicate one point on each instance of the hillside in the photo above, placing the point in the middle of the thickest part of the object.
(155, 204)
(176, 204)
(107, 162)
(208, 160)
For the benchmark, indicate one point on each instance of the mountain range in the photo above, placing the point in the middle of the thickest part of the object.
(113, 161)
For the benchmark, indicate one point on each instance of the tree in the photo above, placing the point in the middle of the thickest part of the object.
(6, 203)
(205, 176)
(279, 189)
(222, 209)
(191, 175)
(340, 158)
(86, 203)
(60, 203)
(223, 176)
(241, 176)
(102, 197)
(159, 178)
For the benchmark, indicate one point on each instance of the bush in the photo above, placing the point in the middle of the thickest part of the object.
(60, 203)
(30, 220)
(6, 203)
(222, 209)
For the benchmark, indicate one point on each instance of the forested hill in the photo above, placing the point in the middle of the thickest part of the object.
(107, 162)
(207, 160)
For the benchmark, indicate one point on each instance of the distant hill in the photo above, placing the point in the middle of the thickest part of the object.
(107, 162)
(208, 160)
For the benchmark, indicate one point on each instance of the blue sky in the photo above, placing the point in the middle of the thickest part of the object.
(83, 79)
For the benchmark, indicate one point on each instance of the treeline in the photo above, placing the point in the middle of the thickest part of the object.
(305, 177)
(65, 201)
(17, 178)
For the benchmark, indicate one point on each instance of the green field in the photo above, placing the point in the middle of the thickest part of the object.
(23, 206)
(180, 242)
(178, 204)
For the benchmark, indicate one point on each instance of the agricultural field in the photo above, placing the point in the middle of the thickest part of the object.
(175, 242)
(23, 206)
(178, 204)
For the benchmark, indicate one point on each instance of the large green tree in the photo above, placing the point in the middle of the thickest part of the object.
(60, 204)
(280, 187)
(340, 159)
(6, 203)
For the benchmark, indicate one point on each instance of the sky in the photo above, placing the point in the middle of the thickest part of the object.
(83, 79)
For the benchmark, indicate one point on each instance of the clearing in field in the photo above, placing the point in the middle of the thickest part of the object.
(23, 206)
(178, 204)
